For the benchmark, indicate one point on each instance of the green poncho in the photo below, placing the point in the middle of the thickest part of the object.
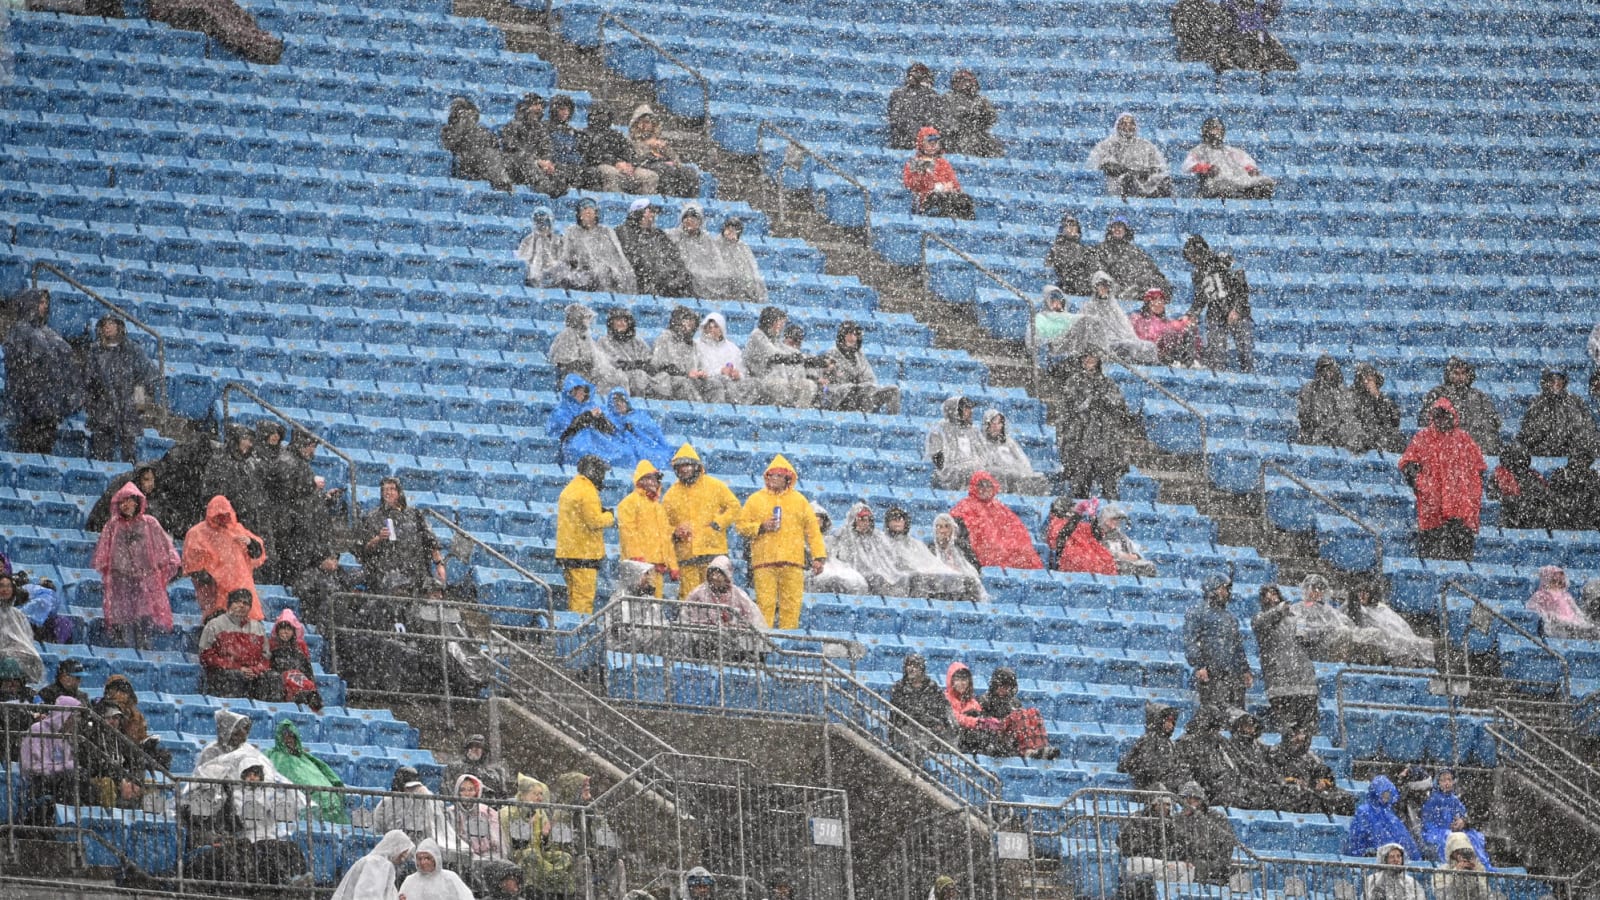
(302, 768)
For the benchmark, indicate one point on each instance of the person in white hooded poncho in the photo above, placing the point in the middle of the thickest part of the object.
(954, 446)
(836, 576)
(945, 548)
(1393, 883)
(1133, 166)
(1102, 325)
(740, 276)
(593, 253)
(1003, 457)
(722, 361)
(1114, 535)
(699, 250)
(372, 877)
(417, 812)
(927, 575)
(1326, 633)
(894, 563)
(575, 351)
(431, 880)
(1386, 629)
(544, 252)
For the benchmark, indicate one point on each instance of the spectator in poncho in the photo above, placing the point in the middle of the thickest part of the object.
(861, 546)
(968, 116)
(928, 575)
(416, 812)
(233, 732)
(1557, 421)
(1003, 457)
(1133, 166)
(975, 732)
(46, 609)
(676, 361)
(1388, 633)
(1559, 615)
(1444, 815)
(954, 446)
(119, 381)
(776, 370)
(221, 556)
(579, 424)
(1225, 171)
(574, 350)
(912, 106)
(300, 767)
(657, 266)
(1103, 326)
(628, 355)
(638, 434)
(1131, 269)
(1391, 882)
(372, 877)
(1175, 339)
(699, 251)
(475, 150)
(1053, 318)
(591, 250)
(142, 476)
(1376, 824)
(1096, 430)
(526, 829)
(1524, 494)
(529, 154)
(836, 577)
(42, 376)
(718, 589)
(135, 559)
(1475, 411)
(1461, 874)
(996, 534)
(431, 880)
(1445, 468)
(477, 824)
(945, 545)
(544, 252)
(1327, 633)
(1127, 552)
(1324, 407)
(722, 363)
(1075, 541)
(652, 152)
(16, 633)
(1374, 415)
(1070, 258)
(738, 277)
(848, 380)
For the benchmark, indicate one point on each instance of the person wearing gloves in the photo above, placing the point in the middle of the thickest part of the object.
(848, 382)
(543, 251)
(935, 189)
(1376, 824)
(946, 548)
(1225, 171)
(700, 508)
(699, 251)
(135, 559)
(1003, 457)
(782, 534)
(581, 521)
(1133, 166)
(629, 356)
(739, 277)
(591, 250)
(1174, 338)
(1445, 467)
(954, 445)
(431, 880)
(1391, 882)
(643, 528)
(836, 577)
(372, 877)
(574, 351)
(636, 434)
(1097, 430)
(221, 556)
(1287, 670)
(777, 371)
(657, 267)
(996, 534)
(721, 363)
(291, 758)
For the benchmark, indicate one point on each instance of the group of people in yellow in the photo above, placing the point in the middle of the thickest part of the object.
(680, 531)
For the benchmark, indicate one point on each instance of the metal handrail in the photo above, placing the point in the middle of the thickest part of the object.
(1565, 685)
(705, 84)
(1204, 422)
(161, 343)
(766, 125)
(1336, 506)
(1566, 791)
(1431, 675)
(350, 504)
(549, 601)
(972, 261)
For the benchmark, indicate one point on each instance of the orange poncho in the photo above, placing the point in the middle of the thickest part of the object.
(212, 547)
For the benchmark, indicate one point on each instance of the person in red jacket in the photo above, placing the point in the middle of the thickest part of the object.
(234, 654)
(996, 535)
(1081, 547)
(935, 189)
(1445, 467)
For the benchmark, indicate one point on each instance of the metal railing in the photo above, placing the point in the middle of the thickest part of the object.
(1479, 619)
(298, 426)
(1201, 420)
(866, 195)
(705, 85)
(1336, 506)
(549, 611)
(161, 343)
(969, 259)
(1454, 690)
(1558, 775)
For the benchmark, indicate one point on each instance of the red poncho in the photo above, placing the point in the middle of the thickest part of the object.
(998, 537)
(1083, 552)
(1449, 483)
(212, 547)
(135, 559)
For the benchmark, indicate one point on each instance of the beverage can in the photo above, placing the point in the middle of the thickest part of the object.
(388, 526)
(777, 516)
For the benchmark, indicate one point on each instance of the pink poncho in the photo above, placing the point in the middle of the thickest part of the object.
(135, 559)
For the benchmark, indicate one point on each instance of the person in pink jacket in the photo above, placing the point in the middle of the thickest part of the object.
(935, 189)
(1174, 338)
(135, 559)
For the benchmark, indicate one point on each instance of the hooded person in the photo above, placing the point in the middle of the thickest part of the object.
(1174, 339)
(1130, 267)
(1021, 727)
(1004, 459)
(1326, 632)
(652, 152)
(1101, 326)
(1076, 545)
(776, 370)
(928, 175)
(1444, 467)
(996, 534)
(1524, 493)
(784, 540)
(295, 763)
(1575, 494)
(700, 508)
(697, 246)
(372, 877)
(1133, 166)
(291, 658)
(968, 116)
(544, 252)
(1391, 882)
(529, 153)
(1559, 615)
(142, 475)
(475, 150)
(954, 445)
(1324, 411)
(1376, 824)
(526, 828)
(1286, 668)
(1148, 844)
(235, 472)
(1374, 415)
(1124, 549)
(644, 531)
(721, 362)
(233, 732)
(975, 732)
(917, 697)
(594, 255)
(119, 690)
(48, 756)
(629, 356)
(1097, 427)
(638, 433)
(945, 545)
(849, 382)
(925, 574)
(215, 802)
(1245, 42)
(1300, 769)
(580, 425)
(581, 522)
(431, 880)
(119, 381)
(1444, 815)
(1225, 171)
(1388, 632)
(575, 352)
(1461, 874)
(836, 577)
(608, 157)
(476, 761)
(43, 382)
(913, 106)
(414, 810)
(675, 359)
(136, 560)
(944, 888)
(1214, 647)
(1206, 839)
(736, 614)
(698, 884)
(1070, 258)
(860, 545)
(657, 266)
(1153, 760)
(1053, 319)
(1475, 411)
(739, 277)
(477, 823)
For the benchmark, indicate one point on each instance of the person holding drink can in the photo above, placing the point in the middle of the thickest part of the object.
(782, 531)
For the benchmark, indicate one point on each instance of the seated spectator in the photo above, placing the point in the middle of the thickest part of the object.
(1102, 326)
(1324, 407)
(1225, 171)
(627, 355)
(1299, 766)
(233, 654)
(928, 576)
(609, 159)
(1114, 534)
(1524, 494)
(135, 559)
(43, 381)
(67, 683)
(1175, 339)
(269, 811)
(1375, 823)
(14, 696)
(1475, 412)
(1251, 781)
(1070, 258)
(477, 824)
(119, 690)
(1389, 634)
(1591, 598)
(968, 116)
(119, 382)
(700, 252)
(233, 733)
(1003, 457)
(946, 548)
(113, 767)
(1444, 468)
(1374, 415)
(721, 363)
(491, 776)
(525, 141)
(595, 258)
(1557, 421)
(651, 152)
(914, 106)
(1559, 615)
(836, 577)
(997, 536)
(292, 760)
(1131, 269)
(16, 632)
(373, 877)
(738, 277)
(291, 659)
(397, 546)
(776, 372)
(638, 434)
(431, 880)
(1075, 542)
(1147, 843)
(917, 698)
(954, 445)
(861, 546)
(566, 143)
(1053, 319)
(1200, 748)
(1326, 633)
(1461, 874)
(475, 150)
(739, 614)
(1097, 429)
(1391, 882)
(849, 382)
(1575, 494)
(1245, 42)
(220, 556)
(1133, 166)
(975, 732)
(1021, 727)
(676, 360)
(1444, 815)
(544, 252)
(416, 813)
(1153, 760)
(1222, 301)
(657, 267)
(1205, 836)
(935, 189)
(142, 476)
(225, 22)
(579, 423)
(1195, 27)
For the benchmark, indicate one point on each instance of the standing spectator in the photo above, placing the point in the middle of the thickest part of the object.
(935, 189)
(308, 519)
(544, 251)
(608, 156)
(1205, 836)
(1391, 882)
(849, 382)
(1003, 457)
(1174, 338)
(1246, 44)
(1324, 407)
(739, 277)
(1052, 321)
(1096, 429)
(622, 349)
(954, 445)
(782, 533)
(997, 535)
(1153, 759)
(233, 654)
(272, 474)
(643, 530)
(235, 473)
(301, 767)
(1374, 415)
(657, 267)
(1286, 669)
(918, 698)
(143, 476)
(652, 153)
(135, 559)
(1375, 823)
(475, 150)
(1075, 542)
(67, 683)
(42, 377)
(637, 434)
(1131, 269)
(566, 143)
(676, 360)
(1445, 469)
(721, 363)
(1195, 27)
(1225, 171)
(1070, 258)
(373, 876)
(178, 498)
(1557, 421)
(529, 154)
(1575, 494)
(1128, 554)
(49, 762)
(701, 509)
(594, 254)
(221, 557)
(1214, 647)
(776, 371)
(1475, 412)
(1524, 494)
(1222, 299)
(913, 106)
(397, 546)
(119, 381)
(581, 521)
(968, 116)
(1559, 615)
(698, 249)
(1133, 166)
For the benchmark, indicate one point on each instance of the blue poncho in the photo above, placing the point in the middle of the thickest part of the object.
(1376, 824)
(1438, 812)
(587, 439)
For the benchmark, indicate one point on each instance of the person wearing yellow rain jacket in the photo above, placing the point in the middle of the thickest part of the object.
(780, 527)
(701, 509)
(526, 830)
(642, 526)
(581, 523)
